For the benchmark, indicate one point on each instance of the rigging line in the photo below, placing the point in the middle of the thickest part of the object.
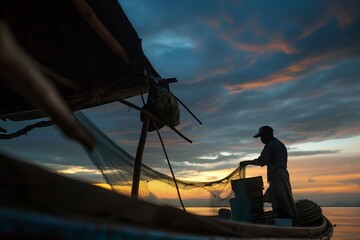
(168, 161)
(188, 109)
(153, 117)
(142, 96)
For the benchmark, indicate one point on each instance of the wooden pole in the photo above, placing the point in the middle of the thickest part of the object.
(138, 158)
(89, 15)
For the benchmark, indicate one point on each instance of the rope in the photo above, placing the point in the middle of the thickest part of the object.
(188, 109)
(168, 161)
(26, 129)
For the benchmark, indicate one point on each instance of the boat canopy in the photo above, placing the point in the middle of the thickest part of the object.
(88, 49)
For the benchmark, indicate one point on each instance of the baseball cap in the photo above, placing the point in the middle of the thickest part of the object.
(264, 129)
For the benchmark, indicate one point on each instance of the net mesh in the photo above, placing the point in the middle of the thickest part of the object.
(116, 166)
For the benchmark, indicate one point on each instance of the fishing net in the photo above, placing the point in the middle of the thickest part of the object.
(117, 166)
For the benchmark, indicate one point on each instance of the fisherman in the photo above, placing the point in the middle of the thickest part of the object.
(274, 155)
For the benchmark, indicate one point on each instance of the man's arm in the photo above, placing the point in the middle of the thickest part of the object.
(248, 162)
(262, 160)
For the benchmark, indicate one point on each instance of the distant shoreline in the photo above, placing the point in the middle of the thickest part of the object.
(340, 205)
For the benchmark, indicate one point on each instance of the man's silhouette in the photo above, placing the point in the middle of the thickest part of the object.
(274, 155)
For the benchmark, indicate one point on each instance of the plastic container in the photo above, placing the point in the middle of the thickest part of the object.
(240, 209)
(285, 222)
(241, 204)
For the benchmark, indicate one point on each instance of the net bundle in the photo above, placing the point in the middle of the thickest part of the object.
(117, 166)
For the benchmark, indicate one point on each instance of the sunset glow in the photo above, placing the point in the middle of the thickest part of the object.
(238, 66)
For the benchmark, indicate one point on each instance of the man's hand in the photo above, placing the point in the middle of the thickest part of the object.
(244, 163)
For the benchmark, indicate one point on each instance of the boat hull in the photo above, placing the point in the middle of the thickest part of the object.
(42, 204)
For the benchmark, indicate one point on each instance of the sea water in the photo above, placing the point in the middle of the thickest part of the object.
(345, 219)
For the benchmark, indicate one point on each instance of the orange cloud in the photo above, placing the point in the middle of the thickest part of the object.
(209, 104)
(311, 29)
(207, 176)
(327, 189)
(344, 14)
(212, 74)
(316, 175)
(324, 175)
(290, 73)
(275, 45)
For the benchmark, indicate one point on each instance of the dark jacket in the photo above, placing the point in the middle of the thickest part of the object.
(274, 155)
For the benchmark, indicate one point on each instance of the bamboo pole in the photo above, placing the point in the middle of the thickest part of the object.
(89, 15)
(138, 158)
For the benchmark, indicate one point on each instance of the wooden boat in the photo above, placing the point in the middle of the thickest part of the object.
(93, 56)
(38, 204)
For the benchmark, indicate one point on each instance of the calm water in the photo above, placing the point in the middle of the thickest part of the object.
(346, 219)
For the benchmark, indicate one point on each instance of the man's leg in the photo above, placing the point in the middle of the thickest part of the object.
(282, 200)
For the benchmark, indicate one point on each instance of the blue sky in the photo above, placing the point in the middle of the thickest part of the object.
(294, 65)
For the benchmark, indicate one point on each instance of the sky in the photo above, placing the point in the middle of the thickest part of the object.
(293, 65)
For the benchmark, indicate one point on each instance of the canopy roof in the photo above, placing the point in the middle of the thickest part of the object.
(88, 49)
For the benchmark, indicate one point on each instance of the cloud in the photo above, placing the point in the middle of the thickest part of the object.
(239, 66)
(77, 170)
(311, 153)
(300, 69)
(167, 41)
(345, 13)
(355, 181)
(275, 45)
